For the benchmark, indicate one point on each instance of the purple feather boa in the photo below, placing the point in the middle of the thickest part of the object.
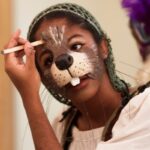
(138, 10)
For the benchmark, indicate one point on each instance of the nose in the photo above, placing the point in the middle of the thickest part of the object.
(64, 61)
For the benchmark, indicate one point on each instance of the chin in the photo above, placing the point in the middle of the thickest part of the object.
(85, 91)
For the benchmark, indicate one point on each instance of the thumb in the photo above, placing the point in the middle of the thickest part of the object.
(30, 55)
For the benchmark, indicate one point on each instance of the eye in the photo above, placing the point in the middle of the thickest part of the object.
(76, 47)
(48, 61)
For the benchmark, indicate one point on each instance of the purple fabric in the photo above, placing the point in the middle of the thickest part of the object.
(138, 10)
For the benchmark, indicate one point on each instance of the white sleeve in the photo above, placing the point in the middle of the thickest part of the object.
(132, 129)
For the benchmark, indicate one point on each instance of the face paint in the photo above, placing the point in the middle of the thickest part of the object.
(75, 81)
(68, 66)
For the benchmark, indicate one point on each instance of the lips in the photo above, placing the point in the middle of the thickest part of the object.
(82, 84)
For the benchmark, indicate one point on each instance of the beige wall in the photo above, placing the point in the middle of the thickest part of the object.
(5, 90)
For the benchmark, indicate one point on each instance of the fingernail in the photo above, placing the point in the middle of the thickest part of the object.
(30, 47)
(23, 40)
(16, 33)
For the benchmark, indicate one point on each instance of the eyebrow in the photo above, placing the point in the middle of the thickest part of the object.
(74, 36)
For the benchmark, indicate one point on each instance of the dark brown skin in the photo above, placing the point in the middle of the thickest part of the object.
(96, 99)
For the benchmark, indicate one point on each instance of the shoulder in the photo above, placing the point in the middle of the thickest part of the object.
(132, 129)
(134, 118)
(139, 104)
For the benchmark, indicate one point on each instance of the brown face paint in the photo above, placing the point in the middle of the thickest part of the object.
(68, 65)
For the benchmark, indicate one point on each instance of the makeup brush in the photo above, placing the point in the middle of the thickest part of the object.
(20, 47)
(53, 34)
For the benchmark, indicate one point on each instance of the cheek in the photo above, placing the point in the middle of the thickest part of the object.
(97, 64)
(81, 65)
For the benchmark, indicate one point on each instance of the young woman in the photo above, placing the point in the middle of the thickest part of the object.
(75, 64)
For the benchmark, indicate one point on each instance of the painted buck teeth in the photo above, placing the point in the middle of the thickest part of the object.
(75, 81)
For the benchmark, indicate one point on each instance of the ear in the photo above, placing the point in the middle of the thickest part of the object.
(103, 47)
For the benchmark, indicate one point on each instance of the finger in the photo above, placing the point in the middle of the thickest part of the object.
(30, 55)
(11, 57)
(12, 42)
(19, 56)
(20, 53)
(14, 39)
(16, 34)
(21, 41)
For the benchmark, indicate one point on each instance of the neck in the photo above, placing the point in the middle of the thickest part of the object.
(95, 112)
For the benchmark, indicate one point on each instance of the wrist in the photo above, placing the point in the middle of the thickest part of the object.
(32, 103)
(30, 96)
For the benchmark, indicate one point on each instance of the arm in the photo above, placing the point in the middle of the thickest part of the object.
(42, 132)
(26, 79)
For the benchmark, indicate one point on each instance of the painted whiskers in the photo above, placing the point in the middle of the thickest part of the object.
(68, 66)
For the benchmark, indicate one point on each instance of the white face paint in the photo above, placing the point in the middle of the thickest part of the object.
(80, 67)
(75, 81)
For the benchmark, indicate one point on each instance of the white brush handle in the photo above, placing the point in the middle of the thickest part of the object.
(18, 48)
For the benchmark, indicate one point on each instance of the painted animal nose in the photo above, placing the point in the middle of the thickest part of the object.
(64, 61)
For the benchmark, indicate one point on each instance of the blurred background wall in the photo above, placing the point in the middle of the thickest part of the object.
(113, 21)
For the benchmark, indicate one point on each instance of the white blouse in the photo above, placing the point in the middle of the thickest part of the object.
(132, 130)
(86, 140)
(82, 140)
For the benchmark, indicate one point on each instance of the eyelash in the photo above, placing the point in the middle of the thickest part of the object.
(75, 48)
(48, 61)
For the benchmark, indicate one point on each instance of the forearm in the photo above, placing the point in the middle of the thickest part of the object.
(21, 73)
(42, 132)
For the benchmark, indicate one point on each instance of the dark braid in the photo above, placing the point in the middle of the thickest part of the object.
(69, 117)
